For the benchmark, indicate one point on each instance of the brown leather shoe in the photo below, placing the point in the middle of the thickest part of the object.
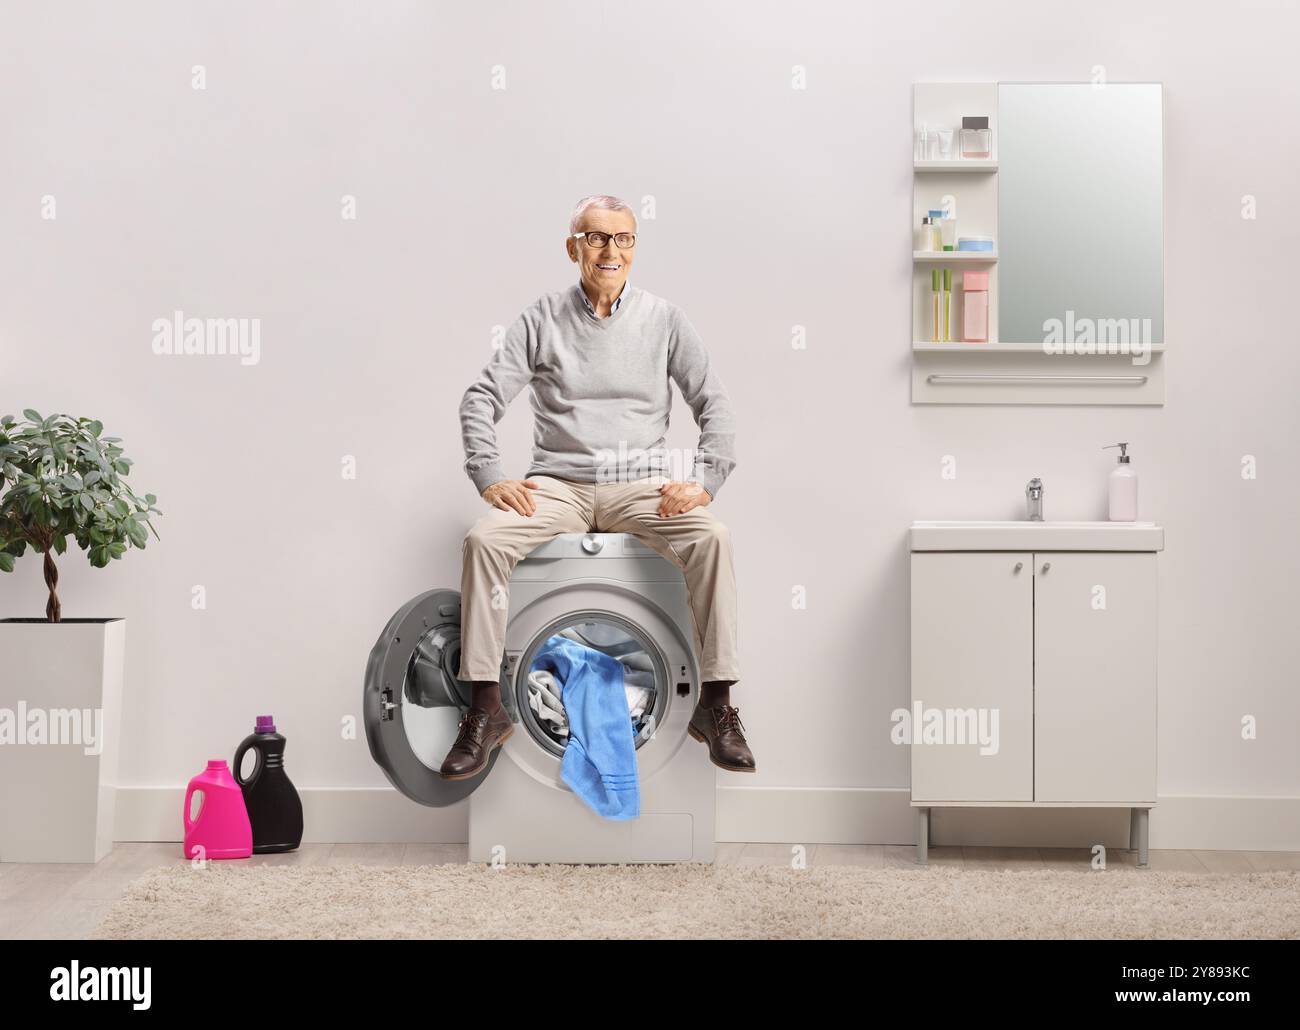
(478, 734)
(721, 728)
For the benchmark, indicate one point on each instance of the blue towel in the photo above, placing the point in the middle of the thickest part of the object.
(600, 758)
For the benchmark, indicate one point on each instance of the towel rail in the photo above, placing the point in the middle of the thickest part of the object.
(988, 378)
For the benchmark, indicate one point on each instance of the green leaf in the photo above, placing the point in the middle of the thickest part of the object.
(137, 533)
(87, 501)
(60, 544)
(6, 562)
(121, 507)
(32, 415)
(95, 428)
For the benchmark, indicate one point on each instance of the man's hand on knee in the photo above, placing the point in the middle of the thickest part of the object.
(676, 498)
(512, 495)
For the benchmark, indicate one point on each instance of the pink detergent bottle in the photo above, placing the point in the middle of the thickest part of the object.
(221, 829)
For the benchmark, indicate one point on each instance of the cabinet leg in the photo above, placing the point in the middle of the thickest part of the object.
(922, 835)
(1138, 826)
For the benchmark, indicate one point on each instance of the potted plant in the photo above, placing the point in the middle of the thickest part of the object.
(61, 688)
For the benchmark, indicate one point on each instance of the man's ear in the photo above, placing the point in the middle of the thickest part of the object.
(571, 250)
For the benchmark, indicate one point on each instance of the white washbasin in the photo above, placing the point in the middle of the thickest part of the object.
(1037, 536)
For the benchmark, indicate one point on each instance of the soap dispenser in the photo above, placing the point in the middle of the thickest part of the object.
(1123, 487)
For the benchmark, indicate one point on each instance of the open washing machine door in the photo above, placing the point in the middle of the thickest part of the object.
(413, 701)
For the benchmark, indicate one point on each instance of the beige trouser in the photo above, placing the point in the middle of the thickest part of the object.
(695, 541)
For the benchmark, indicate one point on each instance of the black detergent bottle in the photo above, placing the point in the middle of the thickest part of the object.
(274, 808)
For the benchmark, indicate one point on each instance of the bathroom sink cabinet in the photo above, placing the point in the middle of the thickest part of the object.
(1034, 682)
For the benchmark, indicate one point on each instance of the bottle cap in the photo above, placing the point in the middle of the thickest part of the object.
(265, 724)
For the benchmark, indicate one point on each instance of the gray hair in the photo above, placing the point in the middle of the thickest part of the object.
(602, 201)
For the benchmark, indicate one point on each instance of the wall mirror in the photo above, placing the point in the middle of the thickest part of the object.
(1080, 210)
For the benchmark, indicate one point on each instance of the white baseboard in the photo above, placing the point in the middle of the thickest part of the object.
(809, 815)
(330, 815)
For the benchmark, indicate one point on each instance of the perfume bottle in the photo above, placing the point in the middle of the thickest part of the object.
(976, 139)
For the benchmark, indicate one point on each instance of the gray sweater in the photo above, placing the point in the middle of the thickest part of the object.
(601, 396)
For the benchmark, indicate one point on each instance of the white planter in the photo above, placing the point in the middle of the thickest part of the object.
(60, 698)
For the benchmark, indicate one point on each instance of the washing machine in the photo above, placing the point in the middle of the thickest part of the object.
(608, 591)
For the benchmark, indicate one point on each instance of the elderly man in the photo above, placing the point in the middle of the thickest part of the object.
(598, 357)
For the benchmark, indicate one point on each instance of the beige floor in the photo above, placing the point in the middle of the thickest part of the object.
(68, 901)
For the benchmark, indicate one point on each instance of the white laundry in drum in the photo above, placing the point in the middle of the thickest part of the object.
(544, 700)
(638, 682)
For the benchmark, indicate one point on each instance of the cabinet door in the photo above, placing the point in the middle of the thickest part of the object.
(1095, 677)
(972, 667)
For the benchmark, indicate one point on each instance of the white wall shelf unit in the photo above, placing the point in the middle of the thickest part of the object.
(927, 347)
(956, 257)
(973, 164)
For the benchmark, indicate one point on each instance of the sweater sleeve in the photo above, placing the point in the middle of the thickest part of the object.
(691, 370)
(484, 403)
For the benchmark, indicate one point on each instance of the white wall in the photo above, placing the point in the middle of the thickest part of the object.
(225, 203)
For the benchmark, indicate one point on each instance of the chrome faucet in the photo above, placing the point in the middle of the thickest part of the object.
(1034, 499)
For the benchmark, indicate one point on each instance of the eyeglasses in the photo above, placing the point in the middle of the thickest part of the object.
(597, 240)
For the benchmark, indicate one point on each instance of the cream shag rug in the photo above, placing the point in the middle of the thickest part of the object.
(698, 900)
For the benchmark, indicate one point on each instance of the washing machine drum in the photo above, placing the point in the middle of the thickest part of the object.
(413, 700)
